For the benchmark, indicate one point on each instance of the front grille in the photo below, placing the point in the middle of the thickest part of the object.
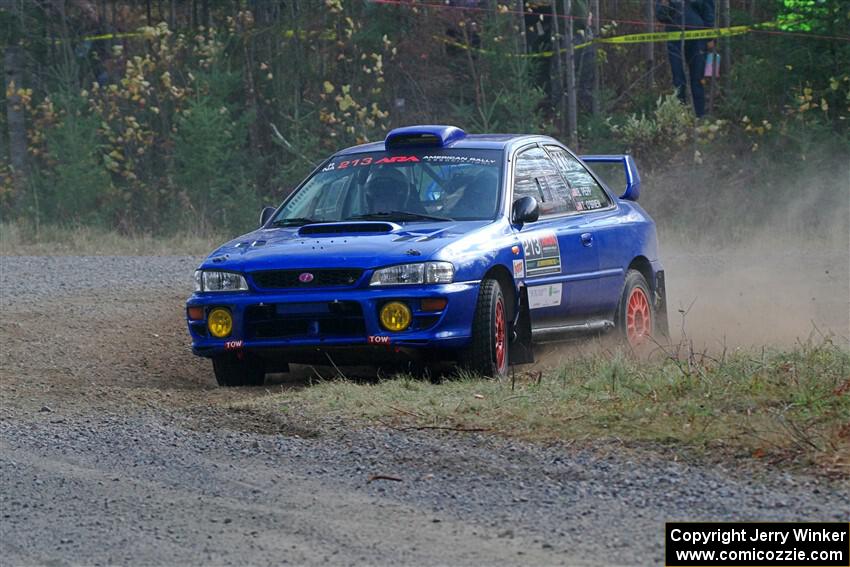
(305, 320)
(282, 279)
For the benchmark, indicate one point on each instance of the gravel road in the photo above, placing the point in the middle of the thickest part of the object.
(116, 447)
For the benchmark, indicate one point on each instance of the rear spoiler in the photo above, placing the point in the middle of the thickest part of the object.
(632, 191)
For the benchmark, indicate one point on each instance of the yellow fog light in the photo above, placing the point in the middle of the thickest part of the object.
(395, 316)
(220, 322)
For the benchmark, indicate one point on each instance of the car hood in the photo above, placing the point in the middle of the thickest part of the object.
(329, 245)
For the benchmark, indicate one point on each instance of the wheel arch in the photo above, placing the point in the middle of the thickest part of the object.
(644, 266)
(657, 288)
(521, 351)
(506, 281)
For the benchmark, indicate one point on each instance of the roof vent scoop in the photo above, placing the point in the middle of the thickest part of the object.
(429, 135)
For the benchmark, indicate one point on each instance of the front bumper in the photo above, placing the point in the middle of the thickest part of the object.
(298, 319)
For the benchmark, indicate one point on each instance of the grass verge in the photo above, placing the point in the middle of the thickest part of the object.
(789, 406)
(23, 240)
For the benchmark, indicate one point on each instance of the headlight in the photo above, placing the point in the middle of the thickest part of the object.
(219, 281)
(421, 273)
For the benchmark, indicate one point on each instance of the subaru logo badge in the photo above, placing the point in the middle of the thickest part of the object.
(306, 277)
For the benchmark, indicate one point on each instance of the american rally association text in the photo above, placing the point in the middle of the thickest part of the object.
(726, 536)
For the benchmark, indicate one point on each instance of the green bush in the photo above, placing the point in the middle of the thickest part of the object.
(670, 125)
(210, 168)
(78, 189)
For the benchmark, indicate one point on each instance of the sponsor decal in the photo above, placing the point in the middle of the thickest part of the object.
(233, 345)
(519, 269)
(369, 160)
(542, 254)
(397, 159)
(378, 340)
(544, 296)
(452, 158)
(590, 204)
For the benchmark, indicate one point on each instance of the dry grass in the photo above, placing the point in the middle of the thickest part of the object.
(22, 240)
(782, 406)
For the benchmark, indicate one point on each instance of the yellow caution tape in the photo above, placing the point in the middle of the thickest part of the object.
(288, 34)
(622, 39)
(535, 55)
(673, 36)
(303, 34)
(111, 36)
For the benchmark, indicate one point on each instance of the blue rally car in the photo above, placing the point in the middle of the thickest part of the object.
(432, 245)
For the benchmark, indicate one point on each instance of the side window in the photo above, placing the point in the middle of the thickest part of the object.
(585, 191)
(535, 175)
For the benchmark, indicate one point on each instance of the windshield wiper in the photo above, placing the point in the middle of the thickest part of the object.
(295, 221)
(398, 215)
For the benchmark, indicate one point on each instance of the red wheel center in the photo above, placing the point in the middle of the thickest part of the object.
(500, 334)
(638, 318)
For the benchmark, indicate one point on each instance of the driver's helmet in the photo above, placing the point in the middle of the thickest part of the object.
(386, 190)
(479, 197)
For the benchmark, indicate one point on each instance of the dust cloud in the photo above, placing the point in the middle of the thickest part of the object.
(768, 291)
(784, 277)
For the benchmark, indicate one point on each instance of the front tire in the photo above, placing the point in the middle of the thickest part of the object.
(231, 371)
(635, 314)
(488, 353)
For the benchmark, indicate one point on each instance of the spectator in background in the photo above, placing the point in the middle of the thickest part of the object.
(688, 15)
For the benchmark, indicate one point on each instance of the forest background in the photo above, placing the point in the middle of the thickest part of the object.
(164, 117)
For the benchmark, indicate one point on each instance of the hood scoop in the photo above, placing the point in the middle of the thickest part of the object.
(346, 228)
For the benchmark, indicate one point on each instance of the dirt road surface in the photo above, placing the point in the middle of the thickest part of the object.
(116, 447)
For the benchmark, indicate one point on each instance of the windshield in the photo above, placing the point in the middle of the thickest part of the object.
(424, 184)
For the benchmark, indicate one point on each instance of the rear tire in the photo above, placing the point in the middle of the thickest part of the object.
(635, 314)
(231, 371)
(488, 352)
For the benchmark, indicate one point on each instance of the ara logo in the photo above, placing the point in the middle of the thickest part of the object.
(397, 159)
(306, 277)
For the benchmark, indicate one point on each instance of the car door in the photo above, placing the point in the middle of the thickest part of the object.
(603, 223)
(559, 260)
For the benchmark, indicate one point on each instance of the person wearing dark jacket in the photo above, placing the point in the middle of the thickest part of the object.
(688, 15)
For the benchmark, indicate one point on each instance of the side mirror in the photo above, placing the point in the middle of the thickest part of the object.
(525, 210)
(266, 214)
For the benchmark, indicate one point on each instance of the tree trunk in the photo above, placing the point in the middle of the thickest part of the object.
(685, 66)
(572, 105)
(649, 47)
(727, 43)
(13, 63)
(558, 84)
(597, 70)
(520, 6)
(205, 14)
